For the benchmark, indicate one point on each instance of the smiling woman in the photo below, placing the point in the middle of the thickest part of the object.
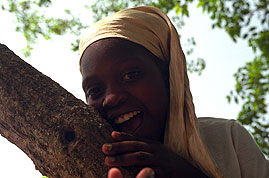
(124, 84)
(134, 74)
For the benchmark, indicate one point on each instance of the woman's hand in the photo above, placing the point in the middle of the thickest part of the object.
(129, 150)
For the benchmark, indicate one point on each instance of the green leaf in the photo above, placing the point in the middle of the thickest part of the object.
(252, 29)
(201, 3)
(245, 11)
(245, 36)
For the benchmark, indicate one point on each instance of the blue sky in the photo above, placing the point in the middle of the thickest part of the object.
(222, 55)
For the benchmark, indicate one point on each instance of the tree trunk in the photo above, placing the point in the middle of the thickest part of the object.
(60, 133)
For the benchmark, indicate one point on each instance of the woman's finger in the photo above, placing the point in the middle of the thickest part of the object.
(122, 136)
(146, 173)
(130, 159)
(126, 147)
(114, 173)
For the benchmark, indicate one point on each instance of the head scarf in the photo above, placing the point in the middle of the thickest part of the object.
(152, 29)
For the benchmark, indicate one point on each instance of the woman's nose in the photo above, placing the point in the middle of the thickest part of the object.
(114, 99)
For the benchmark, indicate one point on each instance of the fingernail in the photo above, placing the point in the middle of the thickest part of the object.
(111, 159)
(108, 147)
(151, 174)
(117, 134)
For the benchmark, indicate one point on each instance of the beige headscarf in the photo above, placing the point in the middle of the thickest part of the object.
(151, 28)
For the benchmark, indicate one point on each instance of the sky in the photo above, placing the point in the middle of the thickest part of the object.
(55, 59)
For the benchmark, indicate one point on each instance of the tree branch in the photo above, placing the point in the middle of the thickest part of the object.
(61, 134)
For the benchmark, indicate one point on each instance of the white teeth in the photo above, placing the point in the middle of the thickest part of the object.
(126, 117)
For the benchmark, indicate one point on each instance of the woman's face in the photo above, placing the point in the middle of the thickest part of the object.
(121, 80)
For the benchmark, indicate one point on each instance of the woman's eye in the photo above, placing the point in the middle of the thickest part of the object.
(131, 75)
(93, 92)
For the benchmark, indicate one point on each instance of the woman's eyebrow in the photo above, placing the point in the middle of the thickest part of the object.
(86, 81)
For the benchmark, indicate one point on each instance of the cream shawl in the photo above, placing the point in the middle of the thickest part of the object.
(151, 28)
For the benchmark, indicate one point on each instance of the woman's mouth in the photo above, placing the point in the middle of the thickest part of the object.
(129, 122)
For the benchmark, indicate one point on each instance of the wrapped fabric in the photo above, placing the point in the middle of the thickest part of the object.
(152, 29)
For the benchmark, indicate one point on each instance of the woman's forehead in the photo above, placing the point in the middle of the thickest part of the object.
(118, 49)
(108, 47)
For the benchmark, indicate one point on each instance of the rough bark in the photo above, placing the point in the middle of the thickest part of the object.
(60, 133)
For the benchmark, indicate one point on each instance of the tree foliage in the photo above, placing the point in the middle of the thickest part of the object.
(33, 21)
(241, 19)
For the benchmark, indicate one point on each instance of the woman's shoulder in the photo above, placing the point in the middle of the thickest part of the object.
(232, 148)
(224, 131)
(217, 133)
(215, 122)
(225, 134)
(212, 128)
